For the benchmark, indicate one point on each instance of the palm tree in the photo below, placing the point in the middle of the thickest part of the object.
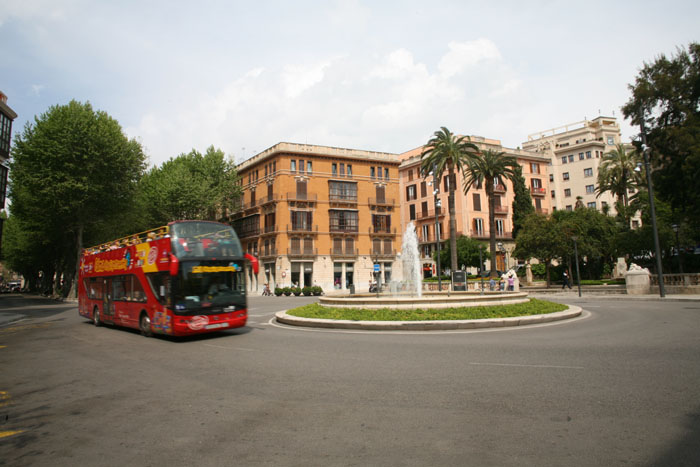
(616, 174)
(447, 151)
(485, 169)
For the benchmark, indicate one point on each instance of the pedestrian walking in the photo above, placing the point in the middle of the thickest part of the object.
(565, 281)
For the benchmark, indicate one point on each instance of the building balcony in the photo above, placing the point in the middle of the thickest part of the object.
(499, 188)
(382, 254)
(302, 197)
(302, 228)
(338, 198)
(268, 254)
(381, 230)
(429, 214)
(248, 233)
(270, 229)
(538, 191)
(250, 205)
(343, 228)
(542, 210)
(484, 235)
(344, 252)
(502, 210)
(273, 198)
(302, 252)
(390, 202)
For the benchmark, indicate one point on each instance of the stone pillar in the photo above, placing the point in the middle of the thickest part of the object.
(620, 268)
(528, 274)
(637, 280)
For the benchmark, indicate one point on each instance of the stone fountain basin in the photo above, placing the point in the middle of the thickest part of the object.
(428, 300)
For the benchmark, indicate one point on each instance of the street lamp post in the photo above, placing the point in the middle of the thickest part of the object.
(481, 268)
(645, 151)
(578, 274)
(436, 203)
(676, 228)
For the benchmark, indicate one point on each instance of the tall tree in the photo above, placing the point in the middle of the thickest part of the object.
(485, 168)
(541, 237)
(448, 152)
(617, 175)
(190, 186)
(72, 169)
(467, 252)
(522, 201)
(666, 96)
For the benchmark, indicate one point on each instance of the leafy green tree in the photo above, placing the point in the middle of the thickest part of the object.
(540, 237)
(595, 237)
(485, 168)
(72, 169)
(467, 252)
(190, 186)
(445, 151)
(522, 201)
(616, 175)
(666, 95)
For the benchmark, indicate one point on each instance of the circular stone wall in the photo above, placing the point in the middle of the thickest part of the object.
(428, 300)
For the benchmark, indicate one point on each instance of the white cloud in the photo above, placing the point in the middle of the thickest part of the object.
(37, 88)
(463, 55)
(299, 78)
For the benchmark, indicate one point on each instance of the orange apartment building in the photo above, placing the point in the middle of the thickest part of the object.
(417, 203)
(317, 215)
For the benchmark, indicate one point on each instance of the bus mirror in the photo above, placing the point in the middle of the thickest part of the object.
(162, 291)
(174, 265)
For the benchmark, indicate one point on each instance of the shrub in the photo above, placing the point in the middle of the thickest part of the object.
(279, 291)
(538, 269)
(296, 291)
(287, 291)
(307, 291)
(317, 290)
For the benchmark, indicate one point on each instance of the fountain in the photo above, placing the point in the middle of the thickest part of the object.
(409, 293)
(412, 273)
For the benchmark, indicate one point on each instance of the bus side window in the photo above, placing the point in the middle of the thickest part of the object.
(138, 295)
(118, 291)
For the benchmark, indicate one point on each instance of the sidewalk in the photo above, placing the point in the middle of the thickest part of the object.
(573, 294)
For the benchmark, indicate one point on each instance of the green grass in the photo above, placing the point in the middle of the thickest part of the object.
(533, 307)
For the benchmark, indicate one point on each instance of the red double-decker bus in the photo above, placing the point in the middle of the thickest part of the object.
(184, 278)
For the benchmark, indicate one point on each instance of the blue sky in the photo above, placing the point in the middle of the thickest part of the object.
(374, 75)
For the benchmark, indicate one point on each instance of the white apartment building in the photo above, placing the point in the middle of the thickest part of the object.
(575, 152)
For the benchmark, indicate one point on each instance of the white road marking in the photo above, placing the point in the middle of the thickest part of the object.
(229, 348)
(584, 314)
(527, 366)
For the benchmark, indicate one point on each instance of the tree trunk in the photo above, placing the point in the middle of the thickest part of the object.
(79, 244)
(453, 223)
(492, 226)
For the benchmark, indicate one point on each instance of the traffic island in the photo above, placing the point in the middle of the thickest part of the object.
(428, 325)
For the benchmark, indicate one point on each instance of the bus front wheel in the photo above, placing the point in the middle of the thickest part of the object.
(145, 325)
(96, 317)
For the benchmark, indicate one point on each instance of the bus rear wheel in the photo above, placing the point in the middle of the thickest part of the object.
(96, 317)
(145, 325)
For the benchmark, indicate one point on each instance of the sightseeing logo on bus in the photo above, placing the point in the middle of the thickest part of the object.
(146, 256)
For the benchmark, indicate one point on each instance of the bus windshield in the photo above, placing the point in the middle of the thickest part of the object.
(201, 239)
(209, 286)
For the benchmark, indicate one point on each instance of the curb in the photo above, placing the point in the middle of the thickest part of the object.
(437, 325)
(12, 319)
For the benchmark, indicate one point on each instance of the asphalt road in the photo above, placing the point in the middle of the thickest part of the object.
(618, 386)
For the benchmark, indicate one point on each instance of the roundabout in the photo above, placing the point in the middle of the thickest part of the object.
(431, 325)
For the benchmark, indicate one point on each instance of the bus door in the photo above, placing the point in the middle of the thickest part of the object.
(107, 309)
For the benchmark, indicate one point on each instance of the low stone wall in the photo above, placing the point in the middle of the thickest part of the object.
(642, 282)
(676, 283)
